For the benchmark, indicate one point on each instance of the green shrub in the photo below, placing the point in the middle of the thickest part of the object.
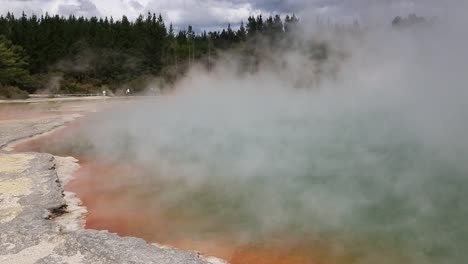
(70, 87)
(12, 92)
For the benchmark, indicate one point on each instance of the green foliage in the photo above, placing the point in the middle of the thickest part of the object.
(72, 87)
(12, 92)
(88, 53)
(139, 84)
(101, 51)
(13, 64)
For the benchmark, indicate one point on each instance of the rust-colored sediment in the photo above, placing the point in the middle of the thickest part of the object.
(50, 142)
(34, 110)
(15, 115)
(118, 206)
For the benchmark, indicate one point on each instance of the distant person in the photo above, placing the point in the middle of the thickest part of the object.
(127, 92)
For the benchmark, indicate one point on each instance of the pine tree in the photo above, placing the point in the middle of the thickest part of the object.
(251, 26)
(242, 33)
(171, 33)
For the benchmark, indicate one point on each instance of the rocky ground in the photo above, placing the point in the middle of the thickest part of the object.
(40, 223)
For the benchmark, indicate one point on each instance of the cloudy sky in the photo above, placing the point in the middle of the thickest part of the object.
(216, 13)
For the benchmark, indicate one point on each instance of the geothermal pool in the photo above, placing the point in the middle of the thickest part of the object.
(284, 183)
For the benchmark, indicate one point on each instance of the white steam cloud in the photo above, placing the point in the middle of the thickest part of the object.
(370, 145)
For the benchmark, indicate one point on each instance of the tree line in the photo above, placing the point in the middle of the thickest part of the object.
(89, 53)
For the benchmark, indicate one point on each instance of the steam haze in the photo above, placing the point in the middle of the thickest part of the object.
(368, 147)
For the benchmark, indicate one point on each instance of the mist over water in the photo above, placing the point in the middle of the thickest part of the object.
(371, 161)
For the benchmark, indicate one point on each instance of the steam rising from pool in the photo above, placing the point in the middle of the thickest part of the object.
(373, 162)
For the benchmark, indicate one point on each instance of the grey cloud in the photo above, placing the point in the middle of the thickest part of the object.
(136, 5)
(83, 8)
(351, 8)
(217, 13)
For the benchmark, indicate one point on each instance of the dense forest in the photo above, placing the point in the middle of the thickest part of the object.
(56, 54)
(82, 55)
